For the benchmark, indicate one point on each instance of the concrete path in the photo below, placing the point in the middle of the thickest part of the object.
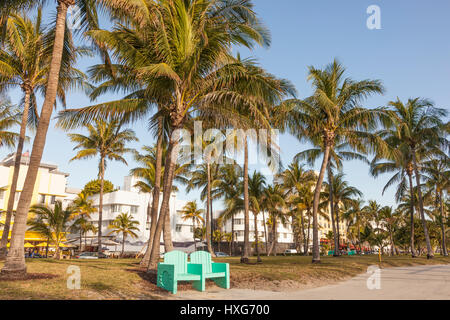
(405, 283)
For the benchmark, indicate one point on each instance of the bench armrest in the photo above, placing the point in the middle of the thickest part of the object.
(194, 268)
(166, 267)
(220, 267)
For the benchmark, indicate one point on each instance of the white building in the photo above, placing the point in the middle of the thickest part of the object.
(130, 200)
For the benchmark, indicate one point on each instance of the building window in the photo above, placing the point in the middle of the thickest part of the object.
(2, 194)
(116, 208)
(192, 229)
(239, 222)
(52, 199)
(178, 228)
(240, 233)
(133, 209)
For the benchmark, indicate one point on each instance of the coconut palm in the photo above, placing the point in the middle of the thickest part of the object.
(148, 163)
(356, 215)
(273, 202)
(83, 226)
(437, 176)
(343, 195)
(108, 141)
(125, 225)
(256, 187)
(333, 116)
(390, 220)
(51, 222)
(192, 212)
(25, 63)
(15, 262)
(229, 186)
(419, 124)
(298, 184)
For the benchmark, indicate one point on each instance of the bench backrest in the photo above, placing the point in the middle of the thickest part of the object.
(178, 259)
(203, 258)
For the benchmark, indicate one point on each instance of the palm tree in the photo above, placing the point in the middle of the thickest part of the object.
(51, 222)
(83, 226)
(333, 116)
(15, 262)
(437, 175)
(200, 79)
(229, 186)
(343, 195)
(192, 212)
(399, 160)
(298, 184)
(356, 215)
(390, 220)
(25, 64)
(418, 123)
(148, 163)
(107, 140)
(256, 184)
(125, 225)
(273, 202)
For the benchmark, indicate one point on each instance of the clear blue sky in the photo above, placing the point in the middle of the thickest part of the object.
(410, 54)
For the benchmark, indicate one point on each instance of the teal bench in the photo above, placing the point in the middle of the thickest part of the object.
(352, 253)
(218, 272)
(176, 268)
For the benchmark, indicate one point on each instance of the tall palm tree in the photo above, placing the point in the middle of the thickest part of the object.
(25, 63)
(125, 225)
(273, 202)
(15, 262)
(343, 195)
(419, 124)
(108, 141)
(192, 212)
(147, 172)
(390, 220)
(256, 187)
(437, 177)
(333, 116)
(200, 78)
(52, 222)
(399, 160)
(229, 186)
(298, 184)
(356, 215)
(83, 226)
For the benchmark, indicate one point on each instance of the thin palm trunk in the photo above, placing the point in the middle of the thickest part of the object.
(336, 211)
(302, 222)
(316, 240)
(359, 236)
(156, 194)
(331, 203)
(15, 262)
(232, 237)
(258, 259)
(411, 190)
(246, 251)
(444, 238)
(167, 233)
(169, 169)
(100, 206)
(18, 158)
(430, 254)
(308, 234)
(265, 231)
(208, 208)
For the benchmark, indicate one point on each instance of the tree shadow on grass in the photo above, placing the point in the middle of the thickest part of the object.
(27, 276)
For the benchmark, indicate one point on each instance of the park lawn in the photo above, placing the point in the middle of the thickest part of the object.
(124, 279)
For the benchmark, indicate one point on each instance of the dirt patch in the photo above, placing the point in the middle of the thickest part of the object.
(27, 276)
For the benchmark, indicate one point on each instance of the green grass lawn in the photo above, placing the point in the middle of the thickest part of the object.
(123, 279)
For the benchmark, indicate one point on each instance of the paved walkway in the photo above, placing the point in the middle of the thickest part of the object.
(404, 283)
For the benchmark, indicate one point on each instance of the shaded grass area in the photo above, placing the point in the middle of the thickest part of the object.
(124, 279)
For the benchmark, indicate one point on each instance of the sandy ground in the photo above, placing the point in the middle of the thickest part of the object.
(403, 283)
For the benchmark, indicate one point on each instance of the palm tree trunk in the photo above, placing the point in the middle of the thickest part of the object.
(169, 169)
(308, 235)
(208, 208)
(302, 222)
(123, 244)
(411, 190)
(430, 254)
(167, 232)
(100, 205)
(443, 220)
(338, 232)
(246, 252)
(316, 240)
(156, 193)
(275, 236)
(359, 236)
(12, 192)
(331, 202)
(258, 258)
(81, 243)
(15, 262)
(265, 231)
(232, 237)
